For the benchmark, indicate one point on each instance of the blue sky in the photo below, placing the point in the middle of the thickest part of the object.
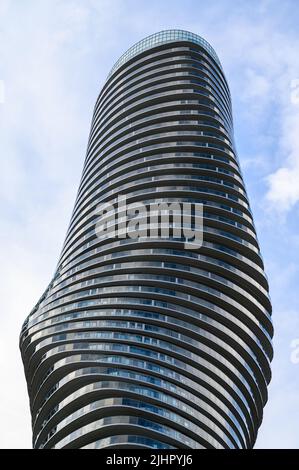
(54, 57)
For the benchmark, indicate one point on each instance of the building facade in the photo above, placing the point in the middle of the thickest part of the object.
(146, 341)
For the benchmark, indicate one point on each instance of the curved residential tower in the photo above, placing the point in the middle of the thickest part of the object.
(147, 337)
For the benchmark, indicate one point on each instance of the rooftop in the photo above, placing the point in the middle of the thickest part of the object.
(163, 37)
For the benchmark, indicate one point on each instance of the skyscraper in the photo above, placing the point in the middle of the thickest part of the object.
(148, 341)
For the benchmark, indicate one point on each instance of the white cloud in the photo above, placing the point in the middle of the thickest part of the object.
(283, 191)
(257, 86)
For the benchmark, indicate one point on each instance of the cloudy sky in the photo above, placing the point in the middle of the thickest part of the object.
(54, 57)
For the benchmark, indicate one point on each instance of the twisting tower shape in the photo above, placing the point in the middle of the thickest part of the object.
(144, 342)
